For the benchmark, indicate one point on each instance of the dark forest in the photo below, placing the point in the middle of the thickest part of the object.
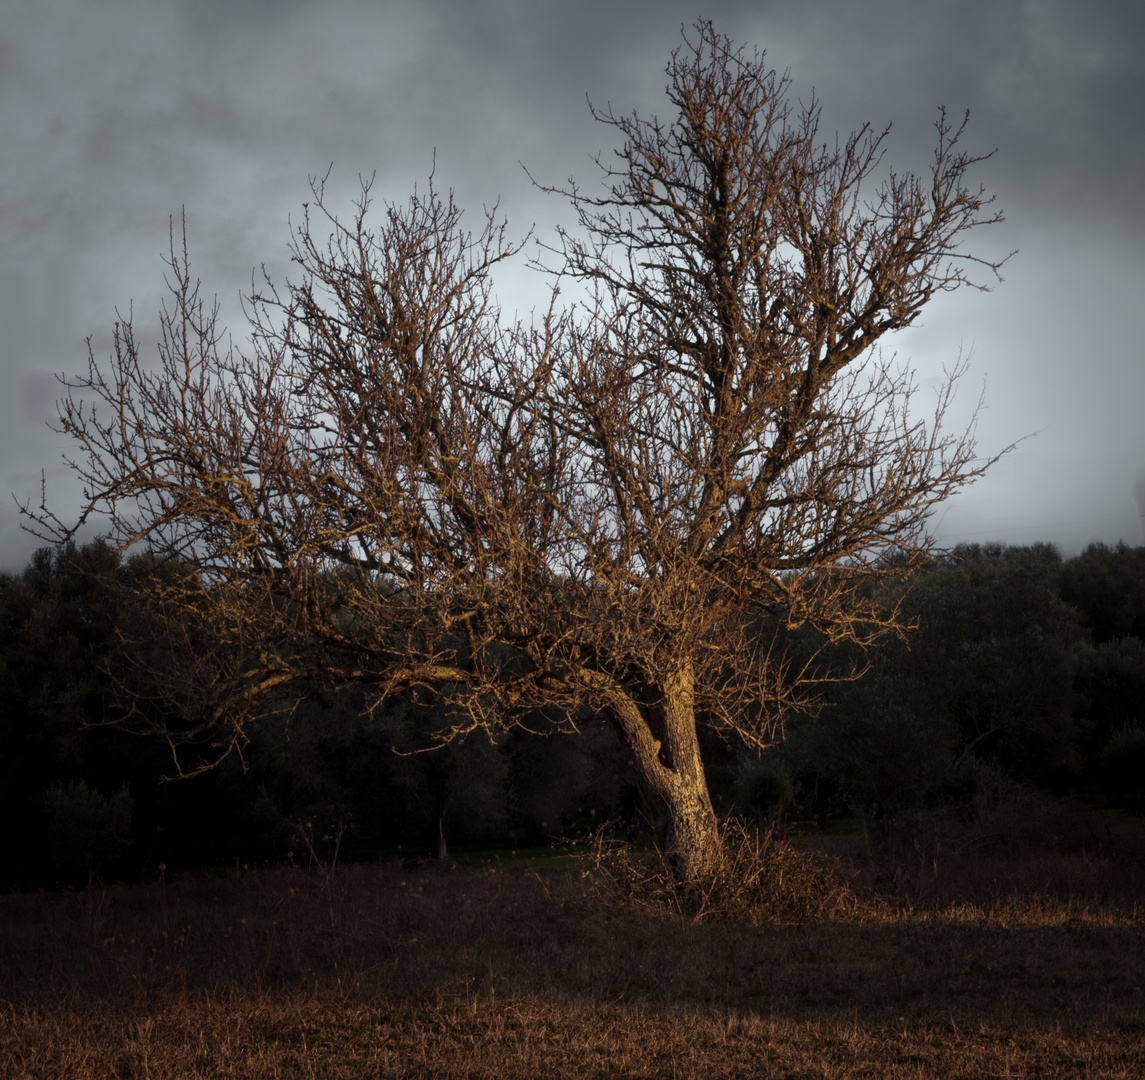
(1015, 705)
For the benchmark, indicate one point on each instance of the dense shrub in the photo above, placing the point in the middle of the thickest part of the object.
(1123, 765)
(87, 831)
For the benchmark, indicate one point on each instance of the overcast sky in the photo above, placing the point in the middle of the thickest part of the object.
(116, 115)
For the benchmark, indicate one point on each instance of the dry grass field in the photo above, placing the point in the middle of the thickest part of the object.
(1031, 966)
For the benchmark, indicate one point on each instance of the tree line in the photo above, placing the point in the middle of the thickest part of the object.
(1026, 674)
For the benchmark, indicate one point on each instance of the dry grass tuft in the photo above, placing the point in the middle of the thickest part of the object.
(760, 880)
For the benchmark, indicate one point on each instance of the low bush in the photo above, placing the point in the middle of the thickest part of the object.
(1123, 765)
(87, 831)
(760, 879)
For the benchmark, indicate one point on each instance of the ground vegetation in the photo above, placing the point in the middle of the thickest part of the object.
(1028, 966)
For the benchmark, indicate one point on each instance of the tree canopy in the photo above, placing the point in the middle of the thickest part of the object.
(602, 512)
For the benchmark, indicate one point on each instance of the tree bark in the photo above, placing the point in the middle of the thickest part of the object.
(671, 773)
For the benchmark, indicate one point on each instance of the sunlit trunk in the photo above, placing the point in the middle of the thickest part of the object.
(671, 774)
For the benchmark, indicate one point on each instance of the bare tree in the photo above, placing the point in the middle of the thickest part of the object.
(607, 511)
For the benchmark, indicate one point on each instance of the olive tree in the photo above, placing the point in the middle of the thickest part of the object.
(599, 515)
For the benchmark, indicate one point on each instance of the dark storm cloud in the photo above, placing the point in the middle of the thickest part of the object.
(116, 115)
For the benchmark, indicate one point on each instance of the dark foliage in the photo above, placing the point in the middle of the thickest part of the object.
(1004, 690)
(1107, 586)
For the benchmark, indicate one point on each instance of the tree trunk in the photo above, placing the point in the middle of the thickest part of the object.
(877, 822)
(671, 774)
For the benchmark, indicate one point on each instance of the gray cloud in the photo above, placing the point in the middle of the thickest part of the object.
(115, 116)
